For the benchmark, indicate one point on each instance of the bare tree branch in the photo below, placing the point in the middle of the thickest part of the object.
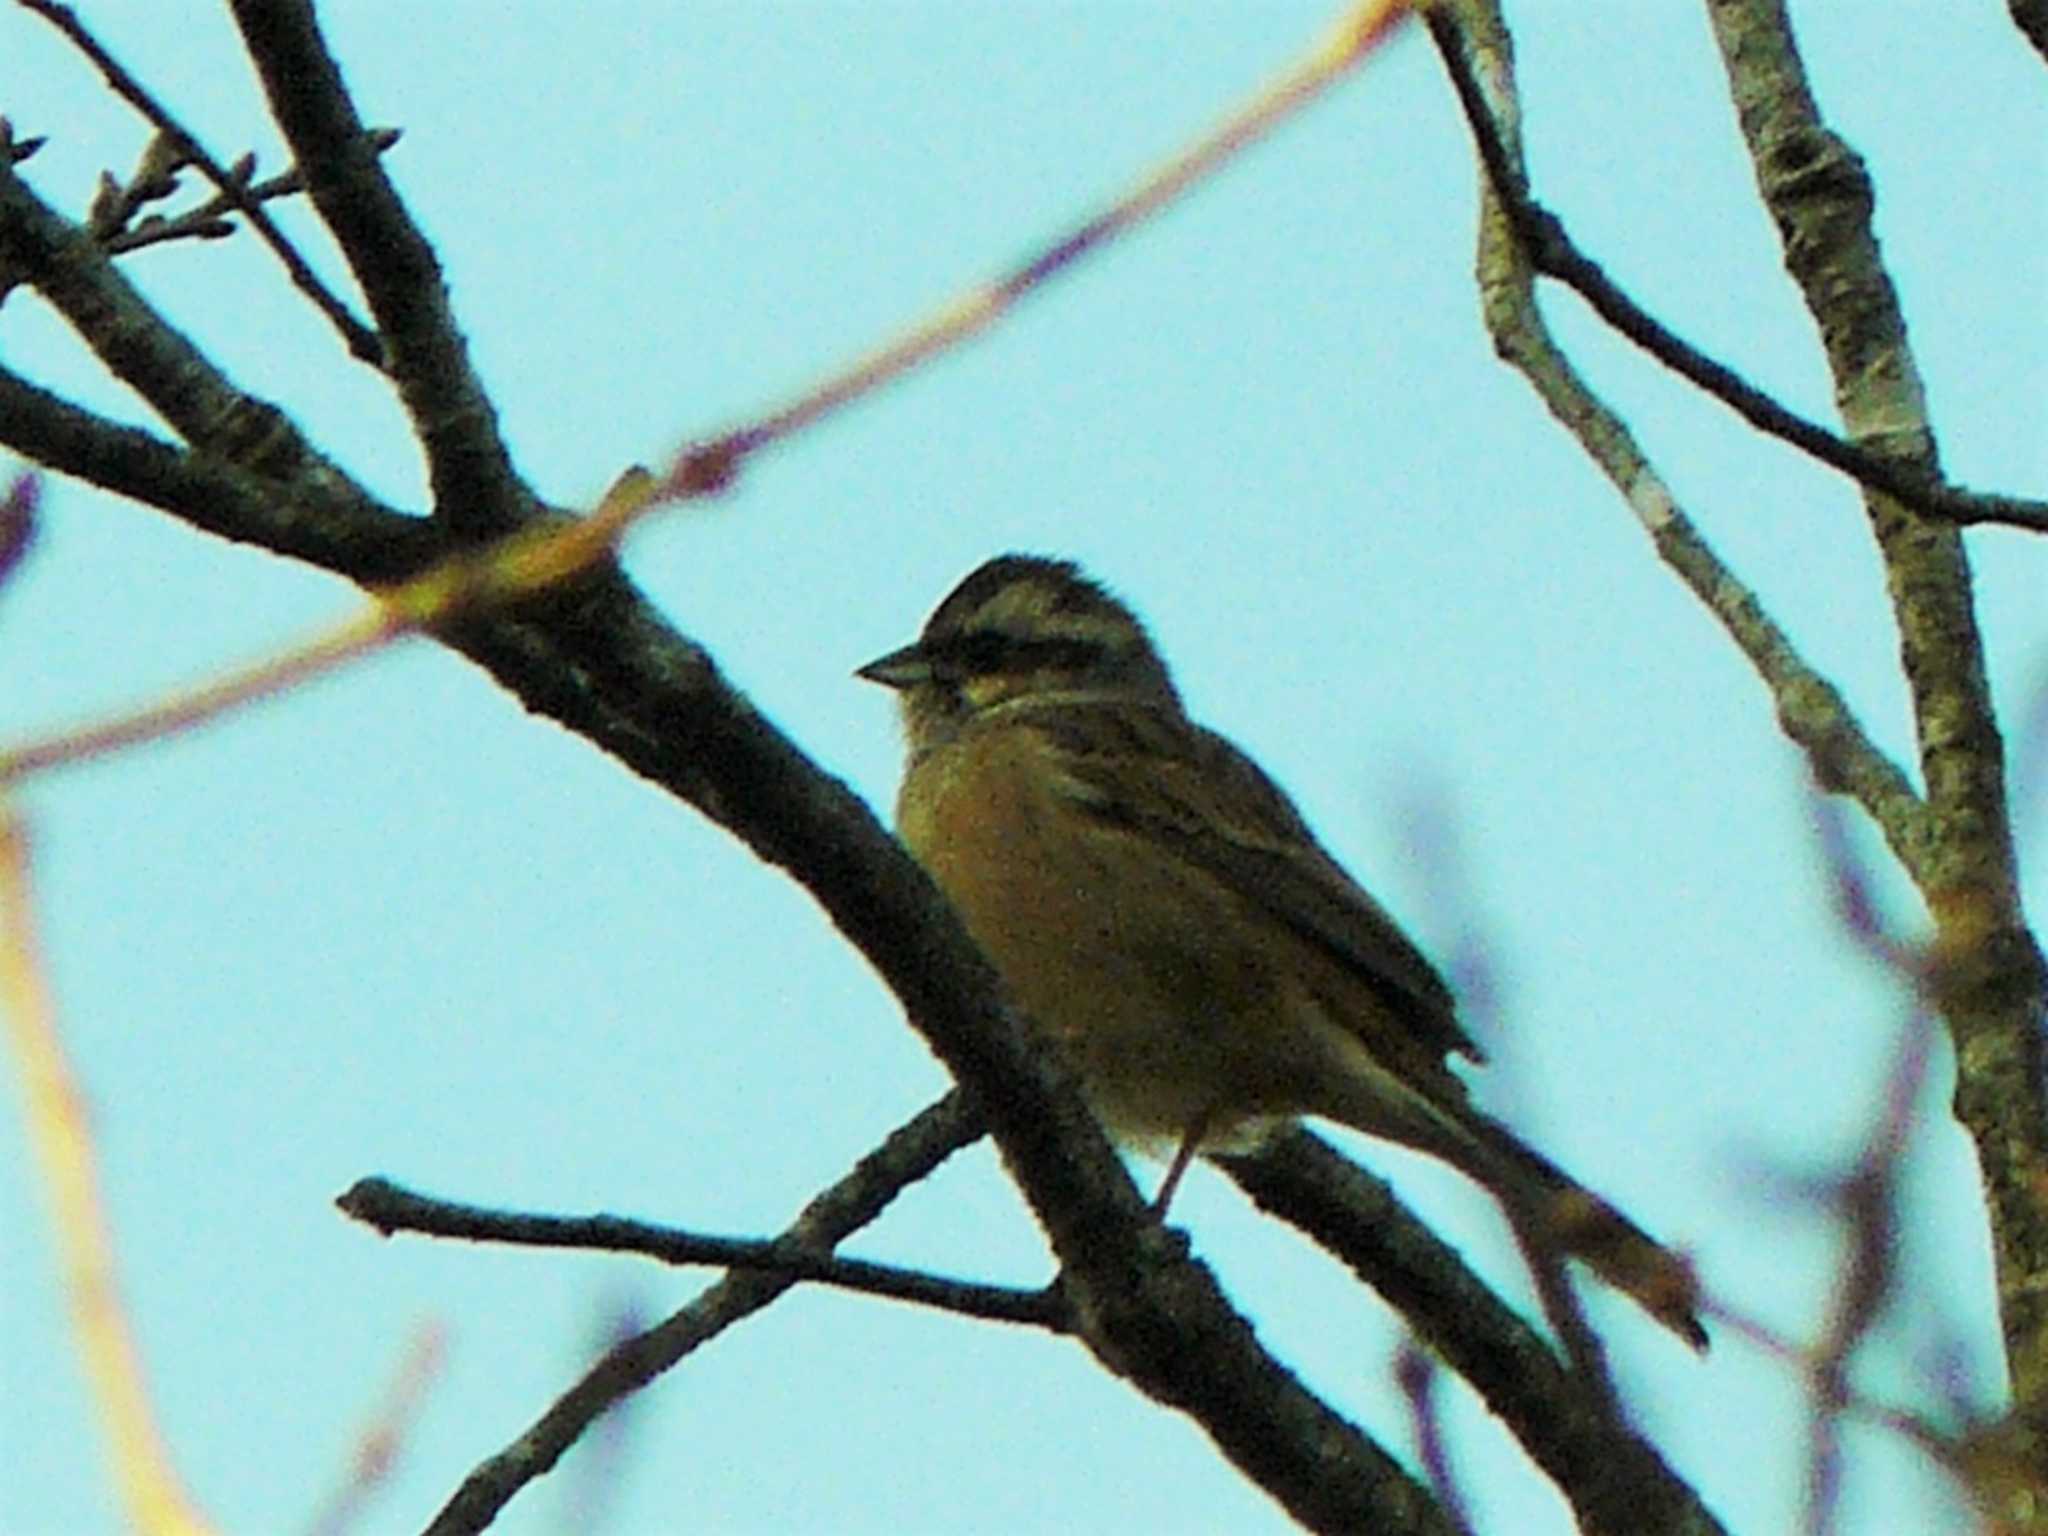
(1616, 1482)
(362, 343)
(69, 269)
(392, 1208)
(476, 490)
(1552, 252)
(909, 1153)
(332, 524)
(1811, 709)
(385, 1437)
(140, 1467)
(1991, 983)
(13, 150)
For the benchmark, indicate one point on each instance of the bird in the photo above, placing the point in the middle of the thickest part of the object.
(1153, 900)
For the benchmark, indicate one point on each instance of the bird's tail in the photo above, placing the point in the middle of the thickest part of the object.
(1551, 1211)
(1557, 1212)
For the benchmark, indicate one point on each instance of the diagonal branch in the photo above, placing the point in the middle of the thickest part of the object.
(1811, 710)
(1551, 252)
(1866, 1203)
(1616, 1482)
(1416, 1372)
(476, 490)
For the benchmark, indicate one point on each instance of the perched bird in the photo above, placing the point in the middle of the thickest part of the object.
(1154, 900)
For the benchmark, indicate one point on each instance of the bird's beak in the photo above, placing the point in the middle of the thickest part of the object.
(905, 668)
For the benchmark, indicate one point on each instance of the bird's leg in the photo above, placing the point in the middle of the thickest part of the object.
(1189, 1145)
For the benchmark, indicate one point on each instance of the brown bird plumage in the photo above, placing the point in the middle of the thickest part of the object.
(1151, 897)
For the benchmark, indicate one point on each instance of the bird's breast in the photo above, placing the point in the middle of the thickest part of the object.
(1143, 964)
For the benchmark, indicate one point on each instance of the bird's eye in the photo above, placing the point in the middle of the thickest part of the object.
(990, 652)
(981, 652)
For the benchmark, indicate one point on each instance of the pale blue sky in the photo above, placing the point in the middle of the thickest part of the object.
(395, 925)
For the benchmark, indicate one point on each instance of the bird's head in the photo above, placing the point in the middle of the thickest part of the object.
(1021, 629)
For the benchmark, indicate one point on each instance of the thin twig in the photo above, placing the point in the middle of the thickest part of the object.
(361, 341)
(1939, 1446)
(183, 710)
(392, 1208)
(1561, 1307)
(155, 178)
(908, 1155)
(13, 150)
(208, 221)
(384, 1437)
(1416, 1373)
(1359, 32)
(1852, 888)
(1553, 253)
(1867, 1203)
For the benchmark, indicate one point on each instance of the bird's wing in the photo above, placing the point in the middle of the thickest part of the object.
(1191, 792)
